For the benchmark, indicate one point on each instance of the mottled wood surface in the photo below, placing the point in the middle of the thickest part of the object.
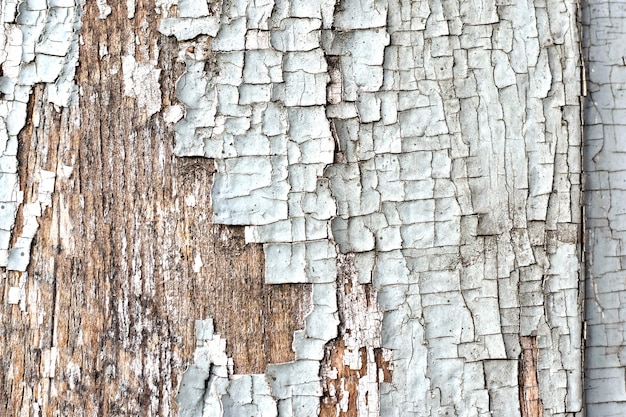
(111, 285)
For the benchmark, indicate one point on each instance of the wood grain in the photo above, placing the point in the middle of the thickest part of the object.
(530, 399)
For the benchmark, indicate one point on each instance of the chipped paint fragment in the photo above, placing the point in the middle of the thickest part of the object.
(130, 8)
(103, 8)
(73, 375)
(14, 295)
(162, 7)
(190, 200)
(103, 50)
(172, 114)
(64, 171)
(141, 81)
(197, 263)
(49, 358)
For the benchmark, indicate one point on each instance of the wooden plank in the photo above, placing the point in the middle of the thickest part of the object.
(111, 293)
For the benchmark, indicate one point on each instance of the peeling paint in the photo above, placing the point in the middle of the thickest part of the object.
(39, 44)
(355, 363)
(19, 255)
(209, 387)
(428, 151)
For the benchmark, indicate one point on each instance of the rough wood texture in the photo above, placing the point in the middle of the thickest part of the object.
(354, 365)
(107, 323)
(530, 399)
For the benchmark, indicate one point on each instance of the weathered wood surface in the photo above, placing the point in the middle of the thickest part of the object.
(456, 182)
(115, 282)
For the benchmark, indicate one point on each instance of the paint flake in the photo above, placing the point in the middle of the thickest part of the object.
(104, 9)
(141, 81)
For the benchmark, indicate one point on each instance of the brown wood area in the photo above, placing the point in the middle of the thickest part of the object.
(340, 382)
(530, 400)
(111, 289)
(345, 385)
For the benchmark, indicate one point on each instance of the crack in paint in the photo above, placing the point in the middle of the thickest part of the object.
(399, 125)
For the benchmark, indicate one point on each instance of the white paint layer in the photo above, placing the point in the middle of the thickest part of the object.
(439, 144)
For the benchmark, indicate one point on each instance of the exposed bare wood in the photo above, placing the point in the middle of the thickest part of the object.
(530, 399)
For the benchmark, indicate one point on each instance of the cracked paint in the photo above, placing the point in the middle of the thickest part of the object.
(605, 365)
(432, 146)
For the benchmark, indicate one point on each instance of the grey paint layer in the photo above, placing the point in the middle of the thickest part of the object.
(605, 384)
(439, 142)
